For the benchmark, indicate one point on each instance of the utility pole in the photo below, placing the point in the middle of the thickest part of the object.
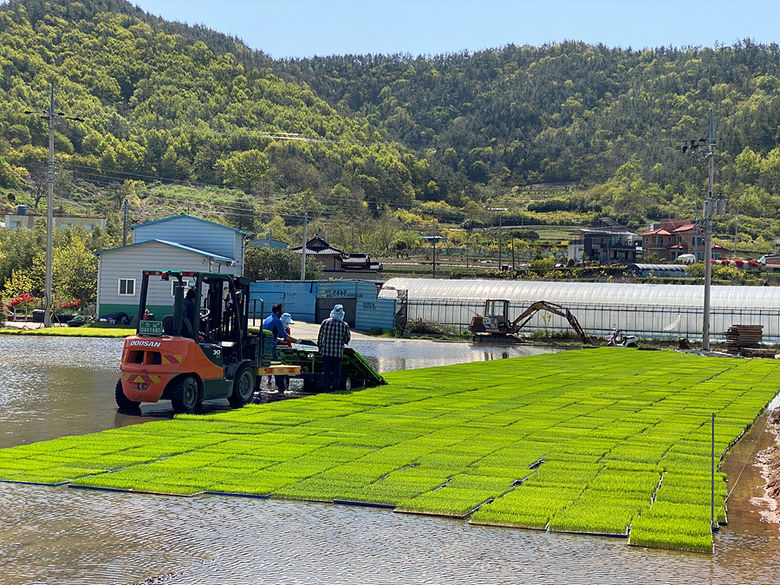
(736, 233)
(124, 223)
(500, 226)
(500, 220)
(303, 251)
(49, 216)
(50, 116)
(712, 206)
(513, 250)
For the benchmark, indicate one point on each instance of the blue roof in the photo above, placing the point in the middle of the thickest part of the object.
(190, 217)
(172, 245)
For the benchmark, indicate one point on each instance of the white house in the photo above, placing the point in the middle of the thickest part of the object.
(182, 242)
(24, 220)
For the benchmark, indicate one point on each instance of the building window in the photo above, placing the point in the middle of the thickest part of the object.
(89, 227)
(127, 287)
(185, 283)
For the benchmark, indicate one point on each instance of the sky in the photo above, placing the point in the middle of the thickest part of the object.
(304, 28)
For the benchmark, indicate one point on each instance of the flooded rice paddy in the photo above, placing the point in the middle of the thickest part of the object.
(50, 387)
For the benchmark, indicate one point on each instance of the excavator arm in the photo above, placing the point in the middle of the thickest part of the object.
(555, 309)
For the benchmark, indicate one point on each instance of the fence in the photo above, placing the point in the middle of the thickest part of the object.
(651, 321)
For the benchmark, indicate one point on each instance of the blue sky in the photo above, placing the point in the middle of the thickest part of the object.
(302, 28)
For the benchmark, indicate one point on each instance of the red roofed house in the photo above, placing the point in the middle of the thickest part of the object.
(674, 237)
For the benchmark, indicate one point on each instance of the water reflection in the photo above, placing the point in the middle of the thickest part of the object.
(51, 387)
(389, 355)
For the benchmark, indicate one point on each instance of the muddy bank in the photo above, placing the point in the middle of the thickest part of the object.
(768, 462)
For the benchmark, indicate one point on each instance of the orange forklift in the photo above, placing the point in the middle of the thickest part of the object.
(209, 356)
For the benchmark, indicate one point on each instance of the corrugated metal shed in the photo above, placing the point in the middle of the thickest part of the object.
(298, 297)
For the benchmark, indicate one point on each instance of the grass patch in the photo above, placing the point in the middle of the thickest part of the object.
(595, 441)
(71, 331)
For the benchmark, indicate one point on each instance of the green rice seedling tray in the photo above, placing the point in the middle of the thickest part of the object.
(550, 442)
(54, 484)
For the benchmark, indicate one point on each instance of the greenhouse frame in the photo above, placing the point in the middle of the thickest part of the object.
(647, 310)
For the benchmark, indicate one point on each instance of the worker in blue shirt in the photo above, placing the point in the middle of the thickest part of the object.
(273, 324)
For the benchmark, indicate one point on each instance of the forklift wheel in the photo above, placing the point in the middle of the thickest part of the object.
(243, 387)
(122, 401)
(185, 395)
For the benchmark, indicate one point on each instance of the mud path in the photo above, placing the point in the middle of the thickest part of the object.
(768, 462)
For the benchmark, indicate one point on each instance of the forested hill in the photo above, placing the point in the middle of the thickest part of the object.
(575, 112)
(376, 134)
(170, 102)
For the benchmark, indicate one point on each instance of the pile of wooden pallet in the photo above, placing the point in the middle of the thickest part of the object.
(746, 340)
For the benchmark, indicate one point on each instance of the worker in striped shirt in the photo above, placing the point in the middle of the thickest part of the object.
(333, 336)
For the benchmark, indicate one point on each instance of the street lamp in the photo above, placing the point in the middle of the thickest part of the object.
(433, 240)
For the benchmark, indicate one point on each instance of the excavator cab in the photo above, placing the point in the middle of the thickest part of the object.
(496, 317)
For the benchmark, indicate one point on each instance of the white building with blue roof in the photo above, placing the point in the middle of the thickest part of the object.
(181, 242)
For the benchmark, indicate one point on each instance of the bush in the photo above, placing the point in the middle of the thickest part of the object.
(425, 327)
(543, 266)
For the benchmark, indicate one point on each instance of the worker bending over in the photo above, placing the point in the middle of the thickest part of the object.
(273, 324)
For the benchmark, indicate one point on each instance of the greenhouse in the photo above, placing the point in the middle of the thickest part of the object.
(648, 310)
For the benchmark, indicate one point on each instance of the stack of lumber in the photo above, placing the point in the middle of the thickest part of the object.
(756, 352)
(739, 337)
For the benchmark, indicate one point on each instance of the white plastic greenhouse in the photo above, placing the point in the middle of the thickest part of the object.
(649, 310)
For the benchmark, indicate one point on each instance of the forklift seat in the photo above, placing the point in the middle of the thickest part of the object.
(167, 326)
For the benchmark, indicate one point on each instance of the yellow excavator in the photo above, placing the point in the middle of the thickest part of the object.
(495, 322)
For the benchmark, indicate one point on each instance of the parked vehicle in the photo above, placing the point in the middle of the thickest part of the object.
(620, 339)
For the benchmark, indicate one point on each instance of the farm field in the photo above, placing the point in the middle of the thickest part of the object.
(601, 441)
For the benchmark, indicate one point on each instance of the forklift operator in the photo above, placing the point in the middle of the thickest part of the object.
(188, 308)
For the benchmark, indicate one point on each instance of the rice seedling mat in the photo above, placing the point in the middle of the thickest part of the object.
(606, 441)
